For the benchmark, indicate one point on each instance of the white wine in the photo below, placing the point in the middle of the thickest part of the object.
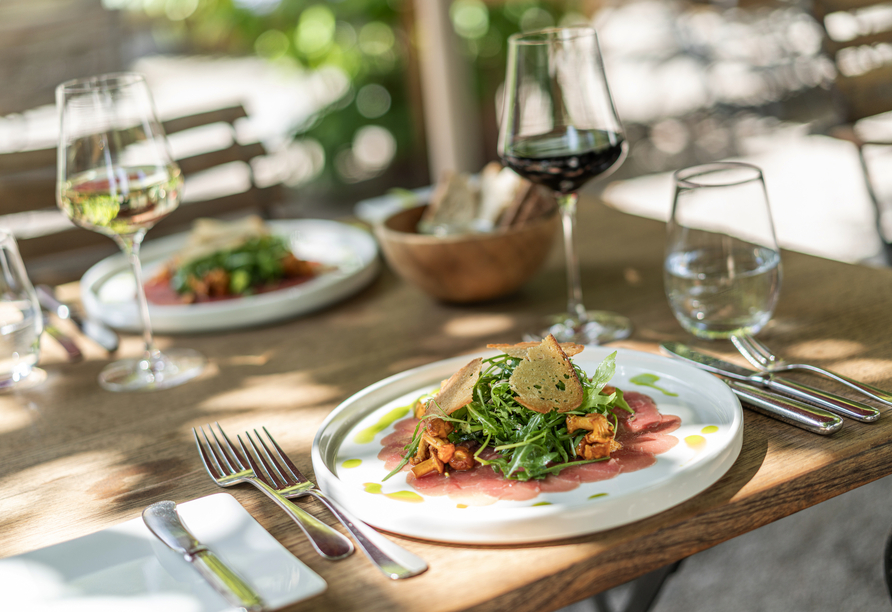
(122, 201)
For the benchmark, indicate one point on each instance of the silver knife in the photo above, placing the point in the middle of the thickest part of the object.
(786, 409)
(163, 520)
(770, 404)
(829, 401)
(97, 332)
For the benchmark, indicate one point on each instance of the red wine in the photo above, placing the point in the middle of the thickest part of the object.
(564, 162)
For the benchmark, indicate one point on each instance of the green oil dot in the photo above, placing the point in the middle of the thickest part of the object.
(597, 495)
(709, 429)
(368, 434)
(649, 380)
(405, 496)
(351, 463)
(695, 442)
(372, 487)
(542, 504)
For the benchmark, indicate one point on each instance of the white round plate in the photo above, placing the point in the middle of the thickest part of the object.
(108, 288)
(707, 408)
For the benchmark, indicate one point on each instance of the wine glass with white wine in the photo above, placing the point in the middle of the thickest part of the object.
(116, 177)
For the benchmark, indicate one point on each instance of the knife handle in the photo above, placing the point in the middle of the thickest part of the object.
(834, 403)
(71, 349)
(786, 409)
(225, 581)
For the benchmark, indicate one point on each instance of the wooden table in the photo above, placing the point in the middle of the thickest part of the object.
(76, 459)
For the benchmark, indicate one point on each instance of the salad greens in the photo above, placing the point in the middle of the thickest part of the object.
(256, 262)
(529, 444)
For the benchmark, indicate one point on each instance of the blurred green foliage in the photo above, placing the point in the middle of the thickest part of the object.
(373, 42)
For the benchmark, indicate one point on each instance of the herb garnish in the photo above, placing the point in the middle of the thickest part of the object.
(257, 262)
(530, 445)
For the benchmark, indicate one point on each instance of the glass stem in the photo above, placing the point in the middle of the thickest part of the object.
(575, 307)
(130, 246)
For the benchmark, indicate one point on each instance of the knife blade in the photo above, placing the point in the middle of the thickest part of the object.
(834, 403)
(163, 520)
(98, 333)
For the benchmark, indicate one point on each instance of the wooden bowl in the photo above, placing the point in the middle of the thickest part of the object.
(467, 267)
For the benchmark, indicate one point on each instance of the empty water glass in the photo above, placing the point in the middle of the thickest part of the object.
(21, 322)
(722, 270)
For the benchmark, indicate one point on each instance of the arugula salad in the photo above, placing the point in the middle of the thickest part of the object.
(222, 259)
(524, 443)
(261, 260)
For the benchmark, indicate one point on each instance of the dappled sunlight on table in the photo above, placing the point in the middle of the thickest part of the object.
(288, 390)
(830, 348)
(14, 415)
(478, 325)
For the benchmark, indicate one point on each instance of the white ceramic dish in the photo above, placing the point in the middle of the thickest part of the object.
(108, 289)
(710, 415)
(125, 567)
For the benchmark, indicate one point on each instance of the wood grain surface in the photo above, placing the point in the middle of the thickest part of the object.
(75, 459)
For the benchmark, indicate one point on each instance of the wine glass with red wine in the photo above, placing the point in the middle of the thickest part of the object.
(116, 177)
(559, 129)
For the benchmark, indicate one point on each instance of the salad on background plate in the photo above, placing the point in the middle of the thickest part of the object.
(238, 279)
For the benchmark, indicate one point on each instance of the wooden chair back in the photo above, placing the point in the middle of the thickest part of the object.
(56, 251)
(855, 33)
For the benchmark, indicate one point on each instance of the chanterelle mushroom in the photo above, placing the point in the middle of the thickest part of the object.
(599, 442)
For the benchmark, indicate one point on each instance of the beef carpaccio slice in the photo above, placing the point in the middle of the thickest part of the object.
(644, 435)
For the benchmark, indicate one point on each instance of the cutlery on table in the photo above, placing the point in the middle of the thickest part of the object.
(770, 404)
(393, 560)
(163, 520)
(786, 409)
(71, 349)
(762, 358)
(223, 464)
(97, 332)
(829, 401)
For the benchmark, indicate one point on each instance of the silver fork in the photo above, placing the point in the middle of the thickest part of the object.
(763, 359)
(228, 468)
(394, 561)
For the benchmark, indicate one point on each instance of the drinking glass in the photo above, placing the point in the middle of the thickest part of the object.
(116, 177)
(722, 269)
(559, 129)
(21, 322)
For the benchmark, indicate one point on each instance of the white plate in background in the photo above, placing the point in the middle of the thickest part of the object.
(126, 568)
(107, 289)
(702, 401)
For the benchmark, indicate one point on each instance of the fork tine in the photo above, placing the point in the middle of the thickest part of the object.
(242, 463)
(287, 478)
(295, 472)
(220, 453)
(209, 464)
(257, 463)
(225, 470)
(763, 350)
(746, 348)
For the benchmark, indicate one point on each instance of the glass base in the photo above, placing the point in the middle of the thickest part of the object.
(31, 379)
(168, 369)
(600, 327)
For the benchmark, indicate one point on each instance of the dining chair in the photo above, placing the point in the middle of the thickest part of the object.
(220, 180)
(857, 35)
